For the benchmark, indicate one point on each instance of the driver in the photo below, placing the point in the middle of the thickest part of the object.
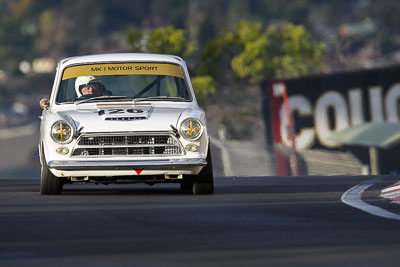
(89, 86)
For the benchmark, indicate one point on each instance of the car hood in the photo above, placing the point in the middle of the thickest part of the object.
(112, 118)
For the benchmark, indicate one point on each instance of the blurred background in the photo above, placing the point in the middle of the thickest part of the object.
(234, 49)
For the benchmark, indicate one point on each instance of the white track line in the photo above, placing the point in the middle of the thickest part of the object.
(352, 197)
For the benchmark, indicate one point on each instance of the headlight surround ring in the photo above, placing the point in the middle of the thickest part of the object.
(62, 132)
(191, 129)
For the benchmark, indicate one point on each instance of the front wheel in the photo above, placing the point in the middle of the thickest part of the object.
(204, 181)
(49, 183)
(203, 188)
(186, 186)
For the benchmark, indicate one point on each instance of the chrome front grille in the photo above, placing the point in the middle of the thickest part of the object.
(127, 145)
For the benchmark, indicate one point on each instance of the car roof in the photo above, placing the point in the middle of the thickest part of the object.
(122, 57)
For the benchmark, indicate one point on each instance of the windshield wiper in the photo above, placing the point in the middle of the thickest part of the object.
(104, 97)
(158, 98)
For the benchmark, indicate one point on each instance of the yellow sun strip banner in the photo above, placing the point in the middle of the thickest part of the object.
(123, 69)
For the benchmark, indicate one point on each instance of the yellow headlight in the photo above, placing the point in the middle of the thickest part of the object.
(61, 132)
(191, 129)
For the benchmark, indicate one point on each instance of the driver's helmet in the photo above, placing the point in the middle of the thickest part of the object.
(82, 81)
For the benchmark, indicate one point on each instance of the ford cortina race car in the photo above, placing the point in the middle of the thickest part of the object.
(124, 118)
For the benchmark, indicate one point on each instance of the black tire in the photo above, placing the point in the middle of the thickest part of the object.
(186, 186)
(49, 183)
(203, 188)
(204, 181)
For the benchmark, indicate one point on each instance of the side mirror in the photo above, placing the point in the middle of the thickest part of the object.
(44, 103)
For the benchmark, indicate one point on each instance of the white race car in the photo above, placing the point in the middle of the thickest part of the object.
(124, 118)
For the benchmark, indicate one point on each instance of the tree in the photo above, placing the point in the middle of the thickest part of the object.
(278, 52)
(204, 86)
(256, 54)
(161, 40)
(169, 40)
(134, 38)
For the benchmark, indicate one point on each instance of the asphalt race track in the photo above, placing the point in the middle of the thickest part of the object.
(249, 221)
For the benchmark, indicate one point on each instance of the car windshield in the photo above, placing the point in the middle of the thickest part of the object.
(123, 82)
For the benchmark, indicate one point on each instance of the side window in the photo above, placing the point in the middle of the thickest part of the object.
(66, 91)
(62, 92)
(71, 94)
(183, 91)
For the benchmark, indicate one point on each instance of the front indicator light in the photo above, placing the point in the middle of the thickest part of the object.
(62, 150)
(191, 147)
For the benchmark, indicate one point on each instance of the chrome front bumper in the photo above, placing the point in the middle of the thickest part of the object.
(127, 165)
